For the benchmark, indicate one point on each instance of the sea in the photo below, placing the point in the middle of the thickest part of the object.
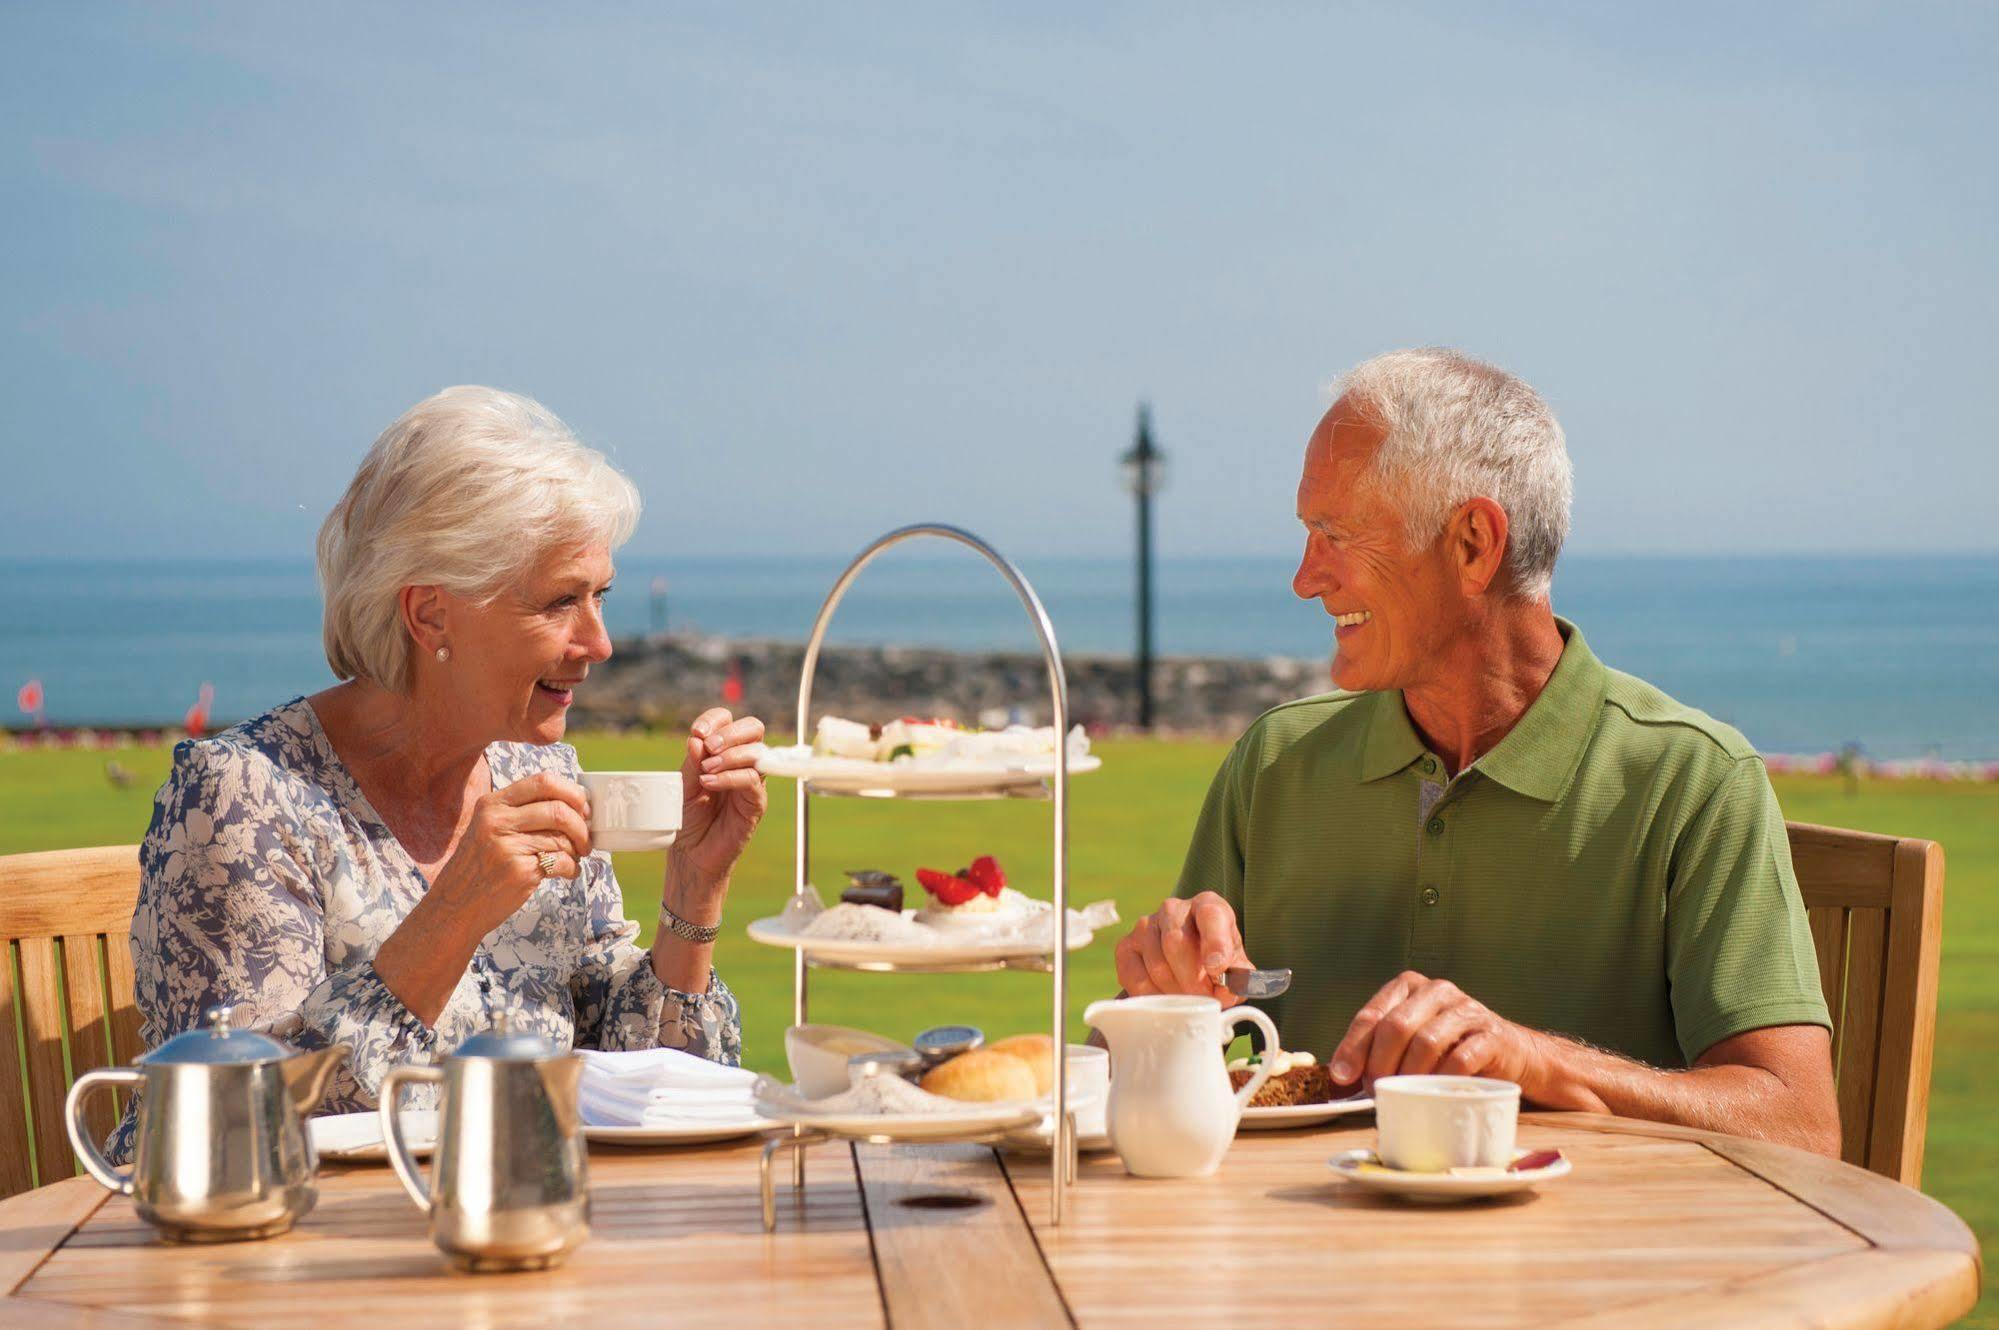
(1899, 656)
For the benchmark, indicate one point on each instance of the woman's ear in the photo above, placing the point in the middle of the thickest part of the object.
(1478, 542)
(426, 617)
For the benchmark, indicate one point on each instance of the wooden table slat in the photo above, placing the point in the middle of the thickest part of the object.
(953, 1268)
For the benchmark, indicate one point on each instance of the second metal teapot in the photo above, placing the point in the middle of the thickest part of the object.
(509, 1188)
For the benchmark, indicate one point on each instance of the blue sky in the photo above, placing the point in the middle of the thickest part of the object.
(808, 272)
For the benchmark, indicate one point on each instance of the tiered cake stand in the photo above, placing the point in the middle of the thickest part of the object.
(1056, 788)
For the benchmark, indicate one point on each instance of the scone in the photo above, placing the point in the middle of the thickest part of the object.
(1299, 1078)
(981, 1076)
(1037, 1051)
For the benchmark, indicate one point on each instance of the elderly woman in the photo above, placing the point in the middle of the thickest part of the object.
(388, 863)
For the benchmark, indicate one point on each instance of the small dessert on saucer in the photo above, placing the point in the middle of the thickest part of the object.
(1298, 1078)
(984, 1075)
(977, 895)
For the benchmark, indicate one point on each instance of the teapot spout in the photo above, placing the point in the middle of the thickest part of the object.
(307, 1074)
(562, 1079)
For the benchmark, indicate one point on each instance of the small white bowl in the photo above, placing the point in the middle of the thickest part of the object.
(818, 1056)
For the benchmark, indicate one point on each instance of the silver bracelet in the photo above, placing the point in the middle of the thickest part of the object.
(698, 934)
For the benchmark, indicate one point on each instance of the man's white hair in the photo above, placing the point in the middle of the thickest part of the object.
(466, 491)
(1460, 429)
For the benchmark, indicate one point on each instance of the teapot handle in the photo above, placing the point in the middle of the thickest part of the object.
(1235, 1016)
(400, 1158)
(93, 1160)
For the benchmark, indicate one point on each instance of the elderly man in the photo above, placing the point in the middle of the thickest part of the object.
(1489, 854)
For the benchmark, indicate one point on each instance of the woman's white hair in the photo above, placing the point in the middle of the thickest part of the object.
(1460, 429)
(466, 491)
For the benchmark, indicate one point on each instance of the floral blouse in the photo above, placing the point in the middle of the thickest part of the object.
(267, 881)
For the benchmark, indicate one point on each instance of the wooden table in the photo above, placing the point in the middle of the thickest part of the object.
(1657, 1226)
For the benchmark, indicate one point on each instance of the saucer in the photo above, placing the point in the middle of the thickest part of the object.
(1361, 1168)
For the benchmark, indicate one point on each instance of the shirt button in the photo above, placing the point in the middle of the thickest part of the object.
(1430, 896)
(1436, 826)
(1429, 766)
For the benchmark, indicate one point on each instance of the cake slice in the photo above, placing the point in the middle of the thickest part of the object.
(1299, 1078)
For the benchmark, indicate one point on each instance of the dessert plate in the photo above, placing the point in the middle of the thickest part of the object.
(1361, 1168)
(949, 948)
(358, 1136)
(1274, 1117)
(686, 1133)
(885, 780)
(971, 1122)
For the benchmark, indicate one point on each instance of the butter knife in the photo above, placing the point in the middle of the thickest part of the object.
(1253, 984)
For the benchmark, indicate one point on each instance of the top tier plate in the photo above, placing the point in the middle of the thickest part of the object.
(962, 779)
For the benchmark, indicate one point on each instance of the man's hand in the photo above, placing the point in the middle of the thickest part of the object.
(1185, 946)
(1416, 1026)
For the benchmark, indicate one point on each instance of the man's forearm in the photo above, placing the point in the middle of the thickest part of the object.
(1731, 1097)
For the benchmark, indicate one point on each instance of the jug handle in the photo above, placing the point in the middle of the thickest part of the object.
(1235, 1016)
(400, 1158)
(94, 1162)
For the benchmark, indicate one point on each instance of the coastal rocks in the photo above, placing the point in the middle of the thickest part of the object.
(667, 680)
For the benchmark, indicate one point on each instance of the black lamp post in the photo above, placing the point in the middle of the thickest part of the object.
(1144, 475)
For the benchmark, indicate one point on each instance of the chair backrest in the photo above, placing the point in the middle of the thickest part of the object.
(1876, 910)
(65, 927)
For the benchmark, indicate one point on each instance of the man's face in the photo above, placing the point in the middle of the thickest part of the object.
(1394, 607)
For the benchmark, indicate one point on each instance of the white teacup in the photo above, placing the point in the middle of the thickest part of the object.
(1427, 1124)
(633, 810)
(1090, 1088)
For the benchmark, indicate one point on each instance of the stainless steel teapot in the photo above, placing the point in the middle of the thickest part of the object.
(221, 1152)
(509, 1189)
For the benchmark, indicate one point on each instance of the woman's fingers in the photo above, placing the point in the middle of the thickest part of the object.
(551, 815)
(718, 781)
(542, 787)
(733, 759)
(730, 734)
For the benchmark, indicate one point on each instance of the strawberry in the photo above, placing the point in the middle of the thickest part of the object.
(985, 874)
(948, 888)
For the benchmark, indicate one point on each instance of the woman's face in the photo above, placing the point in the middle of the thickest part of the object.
(515, 662)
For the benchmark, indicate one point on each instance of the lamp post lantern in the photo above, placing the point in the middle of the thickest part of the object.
(1144, 475)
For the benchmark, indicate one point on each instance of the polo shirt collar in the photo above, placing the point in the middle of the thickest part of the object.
(1539, 756)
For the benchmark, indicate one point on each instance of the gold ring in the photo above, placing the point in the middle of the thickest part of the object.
(547, 862)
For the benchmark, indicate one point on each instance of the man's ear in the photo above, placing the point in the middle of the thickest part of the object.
(1477, 541)
(426, 617)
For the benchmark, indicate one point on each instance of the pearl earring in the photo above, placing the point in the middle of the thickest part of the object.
(443, 654)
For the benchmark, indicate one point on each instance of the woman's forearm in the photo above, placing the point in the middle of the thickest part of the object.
(681, 964)
(423, 960)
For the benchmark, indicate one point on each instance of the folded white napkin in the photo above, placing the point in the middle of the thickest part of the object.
(662, 1087)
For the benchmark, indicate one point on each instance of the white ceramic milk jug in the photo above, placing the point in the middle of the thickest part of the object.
(1172, 1114)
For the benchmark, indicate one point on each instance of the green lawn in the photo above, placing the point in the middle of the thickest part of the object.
(1129, 824)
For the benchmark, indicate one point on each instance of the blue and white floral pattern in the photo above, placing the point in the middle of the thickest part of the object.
(267, 881)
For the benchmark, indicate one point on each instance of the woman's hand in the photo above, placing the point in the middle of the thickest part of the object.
(497, 864)
(723, 800)
(495, 868)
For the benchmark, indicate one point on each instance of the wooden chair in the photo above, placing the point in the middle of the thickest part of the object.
(1876, 910)
(65, 924)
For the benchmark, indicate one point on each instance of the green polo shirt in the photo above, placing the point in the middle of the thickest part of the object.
(1615, 869)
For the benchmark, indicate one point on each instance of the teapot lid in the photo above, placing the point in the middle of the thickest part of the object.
(503, 1043)
(215, 1041)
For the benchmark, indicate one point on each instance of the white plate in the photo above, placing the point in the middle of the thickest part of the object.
(1275, 1116)
(974, 1120)
(689, 1133)
(885, 780)
(776, 931)
(358, 1136)
(1440, 1186)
